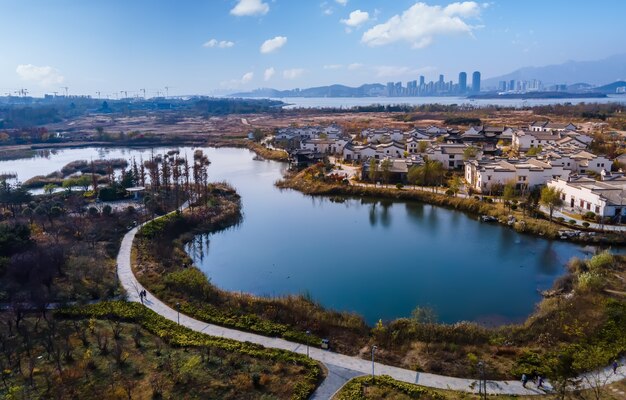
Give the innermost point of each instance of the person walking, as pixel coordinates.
(540, 381)
(524, 380)
(615, 365)
(141, 296)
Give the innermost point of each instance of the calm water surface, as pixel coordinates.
(347, 102)
(377, 258)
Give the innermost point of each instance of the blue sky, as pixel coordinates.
(216, 46)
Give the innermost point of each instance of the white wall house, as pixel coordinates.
(353, 152)
(325, 146)
(413, 144)
(580, 162)
(583, 194)
(451, 156)
(482, 175)
(547, 126)
(524, 140)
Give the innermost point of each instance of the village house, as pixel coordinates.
(352, 152)
(605, 198)
(482, 175)
(325, 146)
(398, 169)
(491, 134)
(547, 126)
(580, 162)
(452, 156)
(524, 140)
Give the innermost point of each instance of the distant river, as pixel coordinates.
(378, 258)
(348, 102)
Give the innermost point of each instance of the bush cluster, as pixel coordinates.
(178, 335)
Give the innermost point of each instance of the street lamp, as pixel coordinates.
(373, 349)
(308, 334)
(178, 312)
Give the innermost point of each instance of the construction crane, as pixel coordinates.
(167, 91)
(98, 94)
(144, 92)
(66, 89)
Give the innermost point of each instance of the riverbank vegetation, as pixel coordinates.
(520, 212)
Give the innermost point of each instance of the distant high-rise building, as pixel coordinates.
(422, 81)
(441, 85)
(476, 82)
(390, 89)
(462, 82)
(398, 89)
(502, 86)
(512, 84)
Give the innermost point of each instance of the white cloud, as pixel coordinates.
(267, 75)
(43, 76)
(357, 17)
(391, 71)
(274, 44)
(333, 66)
(342, 2)
(354, 66)
(249, 8)
(421, 23)
(293, 73)
(222, 44)
(247, 77)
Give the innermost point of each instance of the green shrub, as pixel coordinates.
(399, 186)
(178, 335)
(586, 224)
(190, 281)
(572, 222)
(601, 261)
(353, 390)
(588, 281)
(589, 215)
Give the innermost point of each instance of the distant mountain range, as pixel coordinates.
(597, 72)
(367, 90)
(579, 76)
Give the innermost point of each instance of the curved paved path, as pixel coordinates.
(341, 367)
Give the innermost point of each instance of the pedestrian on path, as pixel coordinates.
(524, 380)
(615, 365)
(540, 381)
(141, 296)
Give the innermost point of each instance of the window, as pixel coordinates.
(588, 206)
(451, 163)
(522, 178)
(597, 209)
(451, 156)
(582, 203)
(488, 177)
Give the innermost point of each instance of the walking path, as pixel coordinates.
(341, 367)
(593, 225)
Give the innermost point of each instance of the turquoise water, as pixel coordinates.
(374, 257)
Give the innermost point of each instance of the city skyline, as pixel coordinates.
(226, 46)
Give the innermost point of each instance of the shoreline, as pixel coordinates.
(529, 225)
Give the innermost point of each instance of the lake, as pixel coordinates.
(375, 257)
(348, 102)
